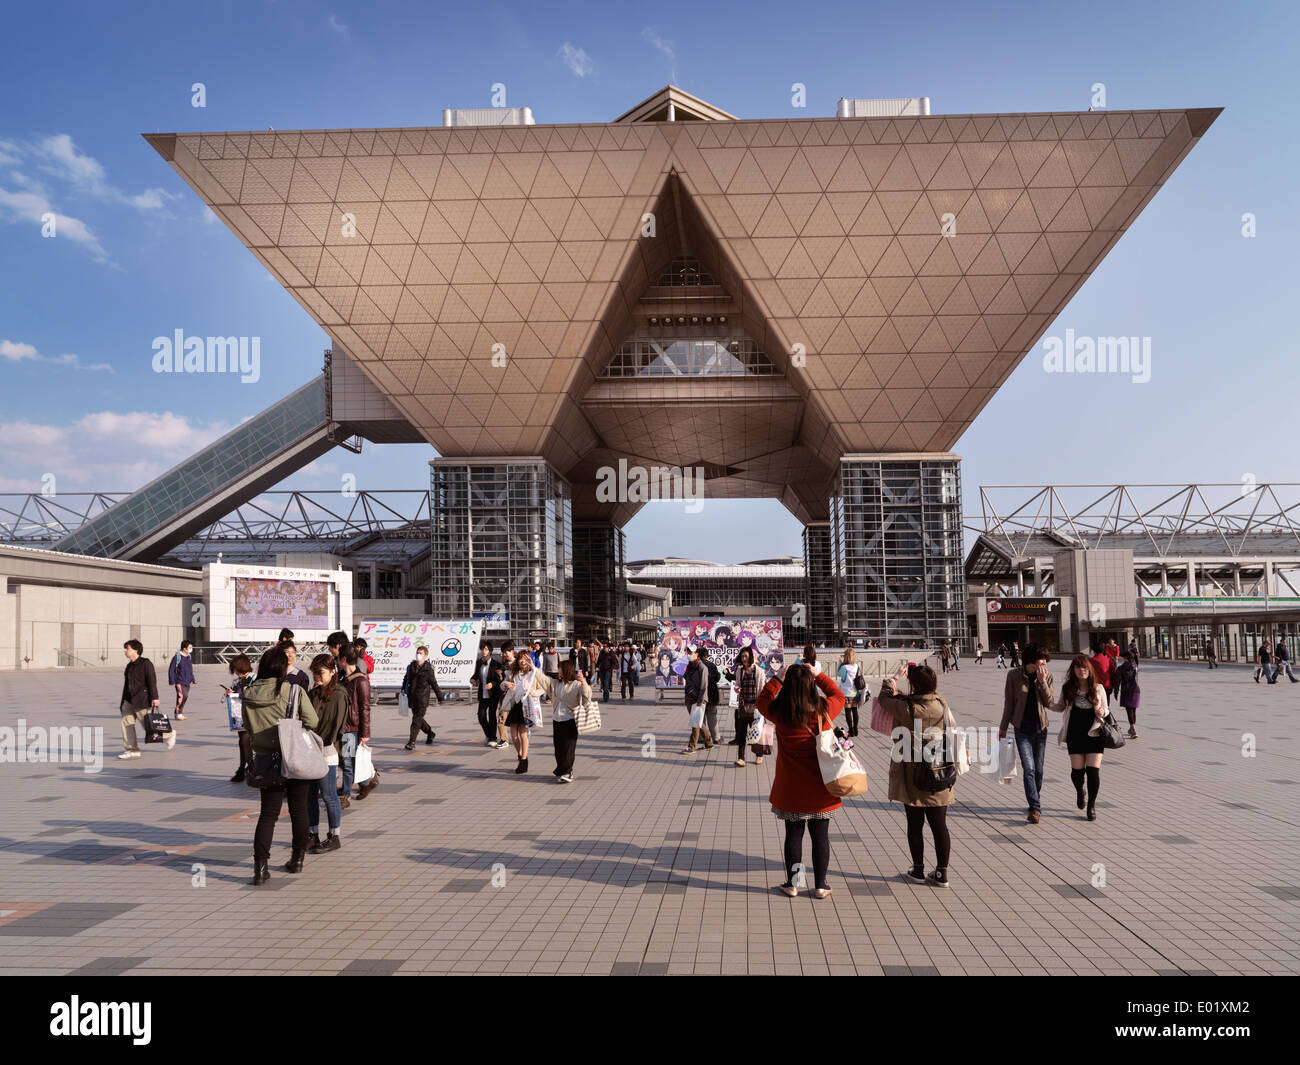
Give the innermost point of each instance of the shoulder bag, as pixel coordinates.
(302, 752)
(938, 775)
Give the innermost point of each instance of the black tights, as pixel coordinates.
(821, 849)
(1092, 774)
(917, 816)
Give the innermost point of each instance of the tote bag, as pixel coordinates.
(302, 752)
(841, 771)
(882, 720)
(363, 765)
(587, 715)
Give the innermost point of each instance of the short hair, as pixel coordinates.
(286, 644)
(285, 634)
(421, 648)
(550, 645)
(135, 645)
(507, 647)
(484, 645)
(239, 665)
(1032, 653)
(359, 642)
(185, 644)
(704, 653)
(921, 679)
(568, 672)
(335, 638)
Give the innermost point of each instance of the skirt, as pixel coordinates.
(786, 815)
(1077, 740)
(516, 716)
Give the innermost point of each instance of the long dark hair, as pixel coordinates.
(1071, 686)
(799, 699)
(273, 663)
(326, 662)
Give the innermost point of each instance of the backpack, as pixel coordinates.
(859, 682)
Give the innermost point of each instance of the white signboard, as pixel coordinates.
(453, 646)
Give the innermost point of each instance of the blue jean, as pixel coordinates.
(326, 788)
(1033, 752)
(349, 760)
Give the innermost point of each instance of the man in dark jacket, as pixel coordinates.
(1265, 657)
(139, 697)
(696, 682)
(420, 684)
(487, 686)
(712, 698)
(1283, 658)
(1026, 700)
(180, 675)
(578, 656)
(607, 667)
(356, 733)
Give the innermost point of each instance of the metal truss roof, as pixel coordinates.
(1154, 520)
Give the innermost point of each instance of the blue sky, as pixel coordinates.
(137, 256)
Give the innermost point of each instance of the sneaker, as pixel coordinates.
(1132, 733)
(566, 778)
(939, 878)
(429, 738)
(408, 746)
(1034, 817)
(332, 843)
(171, 739)
(129, 754)
(914, 876)
(178, 717)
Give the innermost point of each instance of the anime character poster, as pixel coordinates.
(724, 638)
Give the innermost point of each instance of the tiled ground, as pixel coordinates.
(659, 864)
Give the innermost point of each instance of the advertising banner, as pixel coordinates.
(275, 604)
(453, 646)
(1022, 611)
(724, 638)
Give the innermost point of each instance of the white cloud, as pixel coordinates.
(576, 59)
(16, 351)
(105, 451)
(58, 155)
(666, 47)
(333, 23)
(35, 208)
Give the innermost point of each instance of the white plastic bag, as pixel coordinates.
(1007, 760)
(363, 767)
(961, 750)
(697, 716)
(403, 705)
(733, 700)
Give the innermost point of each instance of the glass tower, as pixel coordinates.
(896, 548)
(502, 531)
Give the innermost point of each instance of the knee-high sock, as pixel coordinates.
(1094, 783)
(1077, 776)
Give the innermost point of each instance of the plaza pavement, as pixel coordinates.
(655, 865)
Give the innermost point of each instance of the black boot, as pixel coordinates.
(294, 864)
(261, 874)
(522, 767)
(238, 778)
(429, 738)
(313, 843)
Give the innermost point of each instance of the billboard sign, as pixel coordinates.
(724, 638)
(271, 603)
(453, 646)
(1023, 611)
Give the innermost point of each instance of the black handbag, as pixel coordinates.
(156, 726)
(936, 776)
(264, 771)
(1110, 735)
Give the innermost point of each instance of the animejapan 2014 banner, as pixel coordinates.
(453, 646)
(724, 638)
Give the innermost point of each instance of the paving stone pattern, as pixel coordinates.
(656, 866)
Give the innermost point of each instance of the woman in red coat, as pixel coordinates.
(800, 704)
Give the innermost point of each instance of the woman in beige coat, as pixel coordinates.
(923, 702)
(567, 693)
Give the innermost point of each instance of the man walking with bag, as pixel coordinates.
(1026, 699)
(139, 698)
(697, 679)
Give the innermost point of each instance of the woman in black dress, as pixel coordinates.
(1085, 705)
